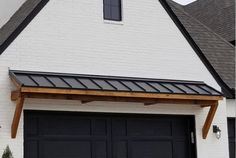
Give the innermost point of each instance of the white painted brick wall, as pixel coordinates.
(231, 107)
(71, 36)
(8, 8)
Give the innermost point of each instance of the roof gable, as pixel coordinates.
(216, 53)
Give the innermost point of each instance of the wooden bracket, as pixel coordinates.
(209, 120)
(15, 95)
(17, 115)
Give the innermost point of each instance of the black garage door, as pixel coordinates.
(93, 135)
(231, 134)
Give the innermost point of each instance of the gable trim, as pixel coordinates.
(228, 92)
(22, 25)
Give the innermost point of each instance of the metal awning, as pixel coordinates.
(88, 88)
(110, 83)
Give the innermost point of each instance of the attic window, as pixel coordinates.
(112, 10)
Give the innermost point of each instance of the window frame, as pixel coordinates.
(120, 8)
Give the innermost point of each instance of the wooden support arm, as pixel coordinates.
(17, 115)
(209, 120)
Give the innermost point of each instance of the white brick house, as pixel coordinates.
(73, 37)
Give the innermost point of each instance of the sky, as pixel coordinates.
(184, 2)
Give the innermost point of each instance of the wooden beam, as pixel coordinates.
(209, 120)
(147, 101)
(15, 95)
(17, 115)
(117, 94)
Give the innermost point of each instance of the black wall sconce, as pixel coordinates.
(217, 131)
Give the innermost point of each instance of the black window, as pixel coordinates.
(112, 10)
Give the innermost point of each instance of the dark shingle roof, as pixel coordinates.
(110, 83)
(219, 15)
(19, 21)
(220, 54)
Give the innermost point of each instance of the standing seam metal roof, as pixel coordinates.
(110, 83)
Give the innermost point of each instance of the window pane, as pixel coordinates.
(112, 10)
(107, 2)
(116, 13)
(116, 2)
(107, 12)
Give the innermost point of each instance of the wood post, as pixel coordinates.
(209, 120)
(17, 115)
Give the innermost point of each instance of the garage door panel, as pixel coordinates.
(120, 149)
(151, 149)
(119, 127)
(100, 149)
(66, 149)
(32, 123)
(179, 128)
(149, 128)
(65, 126)
(99, 127)
(33, 146)
(232, 149)
(180, 149)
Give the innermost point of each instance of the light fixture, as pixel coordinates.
(217, 131)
